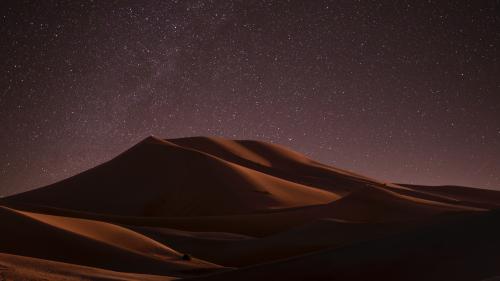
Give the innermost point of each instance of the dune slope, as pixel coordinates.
(14, 267)
(91, 243)
(159, 178)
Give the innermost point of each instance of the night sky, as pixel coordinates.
(403, 91)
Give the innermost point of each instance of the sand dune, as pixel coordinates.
(464, 248)
(158, 178)
(467, 195)
(244, 210)
(91, 243)
(277, 161)
(14, 267)
(244, 251)
(263, 154)
(370, 204)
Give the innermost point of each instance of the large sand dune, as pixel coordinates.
(159, 178)
(218, 209)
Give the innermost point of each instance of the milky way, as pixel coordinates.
(406, 91)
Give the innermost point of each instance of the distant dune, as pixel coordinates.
(217, 209)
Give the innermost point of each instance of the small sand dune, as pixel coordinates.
(14, 267)
(90, 243)
(467, 195)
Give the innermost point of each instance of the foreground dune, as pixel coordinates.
(90, 243)
(466, 247)
(216, 209)
(14, 267)
(243, 250)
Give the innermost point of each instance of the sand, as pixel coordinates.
(217, 209)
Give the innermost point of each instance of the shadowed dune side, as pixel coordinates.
(278, 161)
(244, 251)
(371, 204)
(484, 197)
(14, 267)
(158, 178)
(443, 197)
(263, 154)
(90, 243)
(466, 248)
(376, 204)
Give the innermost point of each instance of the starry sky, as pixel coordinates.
(403, 91)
